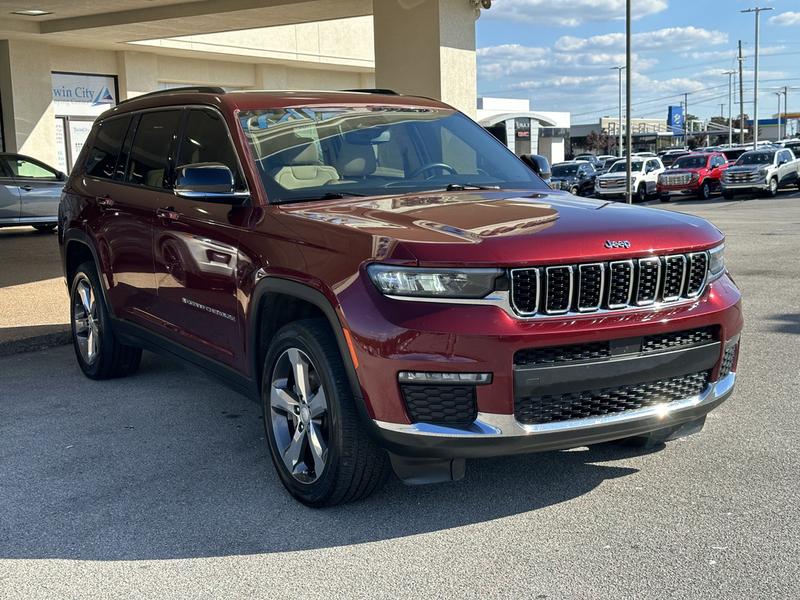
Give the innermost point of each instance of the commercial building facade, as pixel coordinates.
(60, 69)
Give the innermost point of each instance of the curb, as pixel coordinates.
(32, 344)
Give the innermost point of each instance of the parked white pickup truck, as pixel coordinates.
(644, 176)
(762, 171)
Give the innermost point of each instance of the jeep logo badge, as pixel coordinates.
(617, 244)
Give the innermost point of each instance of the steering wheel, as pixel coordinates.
(430, 167)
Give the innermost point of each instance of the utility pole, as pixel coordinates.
(757, 10)
(779, 94)
(730, 75)
(628, 78)
(741, 95)
(785, 111)
(620, 69)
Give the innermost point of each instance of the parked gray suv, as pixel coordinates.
(29, 192)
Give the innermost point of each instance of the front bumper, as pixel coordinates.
(677, 191)
(760, 184)
(500, 434)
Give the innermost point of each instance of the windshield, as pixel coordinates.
(756, 158)
(315, 153)
(636, 165)
(565, 170)
(691, 162)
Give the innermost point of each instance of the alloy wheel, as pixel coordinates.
(85, 321)
(299, 415)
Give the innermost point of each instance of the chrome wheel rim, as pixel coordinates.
(773, 185)
(85, 321)
(298, 412)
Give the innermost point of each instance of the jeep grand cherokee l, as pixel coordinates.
(394, 286)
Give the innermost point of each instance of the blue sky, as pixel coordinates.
(559, 53)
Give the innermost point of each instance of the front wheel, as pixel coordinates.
(705, 191)
(641, 193)
(100, 354)
(772, 190)
(318, 445)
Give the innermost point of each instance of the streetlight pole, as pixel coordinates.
(628, 78)
(730, 75)
(620, 69)
(779, 94)
(757, 10)
(741, 95)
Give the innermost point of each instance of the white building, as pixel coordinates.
(525, 131)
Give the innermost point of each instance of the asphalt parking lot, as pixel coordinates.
(159, 485)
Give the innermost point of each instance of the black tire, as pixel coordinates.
(704, 193)
(112, 358)
(641, 193)
(664, 198)
(772, 191)
(728, 195)
(353, 466)
(45, 228)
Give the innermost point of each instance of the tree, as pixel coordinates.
(597, 142)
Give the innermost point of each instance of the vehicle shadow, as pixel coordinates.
(28, 256)
(127, 473)
(788, 323)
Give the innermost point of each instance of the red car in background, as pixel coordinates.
(698, 175)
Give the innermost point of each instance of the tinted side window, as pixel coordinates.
(152, 145)
(102, 157)
(205, 139)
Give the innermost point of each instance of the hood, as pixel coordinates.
(683, 170)
(618, 175)
(564, 177)
(499, 228)
(747, 168)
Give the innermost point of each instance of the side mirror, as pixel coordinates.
(207, 181)
(538, 164)
(61, 176)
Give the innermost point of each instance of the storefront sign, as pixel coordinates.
(83, 95)
(522, 128)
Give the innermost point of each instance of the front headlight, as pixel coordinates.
(433, 283)
(716, 262)
(763, 173)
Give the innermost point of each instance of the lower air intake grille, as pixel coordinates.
(727, 361)
(679, 339)
(607, 401)
(440, 404)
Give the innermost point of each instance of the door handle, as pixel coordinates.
(105, 201)
(26, 187)
(168, 213)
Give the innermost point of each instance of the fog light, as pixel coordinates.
(450, 378)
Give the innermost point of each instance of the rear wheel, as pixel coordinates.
(100, 354)
(318, 446)
(664, 198)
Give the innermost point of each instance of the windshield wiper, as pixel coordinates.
(325, 196)
(460, 187)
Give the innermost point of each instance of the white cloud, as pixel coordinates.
(732, 53)
(670, 38)
(787, 18)
(570, 13)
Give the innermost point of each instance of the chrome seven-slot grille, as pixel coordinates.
(614, 285)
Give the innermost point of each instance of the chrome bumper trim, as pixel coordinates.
(494, 425)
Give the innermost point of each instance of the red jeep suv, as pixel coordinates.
(393, 286)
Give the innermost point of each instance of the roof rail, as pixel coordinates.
(200, 89)
(374, 91)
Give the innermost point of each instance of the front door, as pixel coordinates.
(196, 249)
(9, 195)
(39, 189)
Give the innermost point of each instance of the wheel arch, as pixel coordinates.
(274, 293)
(78, 248)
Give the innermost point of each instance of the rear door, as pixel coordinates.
(9, 195)
(196, 248)
(39, 189)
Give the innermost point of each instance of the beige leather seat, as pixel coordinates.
(303, 168)
(356, 161)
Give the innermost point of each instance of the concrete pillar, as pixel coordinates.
(427, 48)
(26, 90)
(138, 73)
